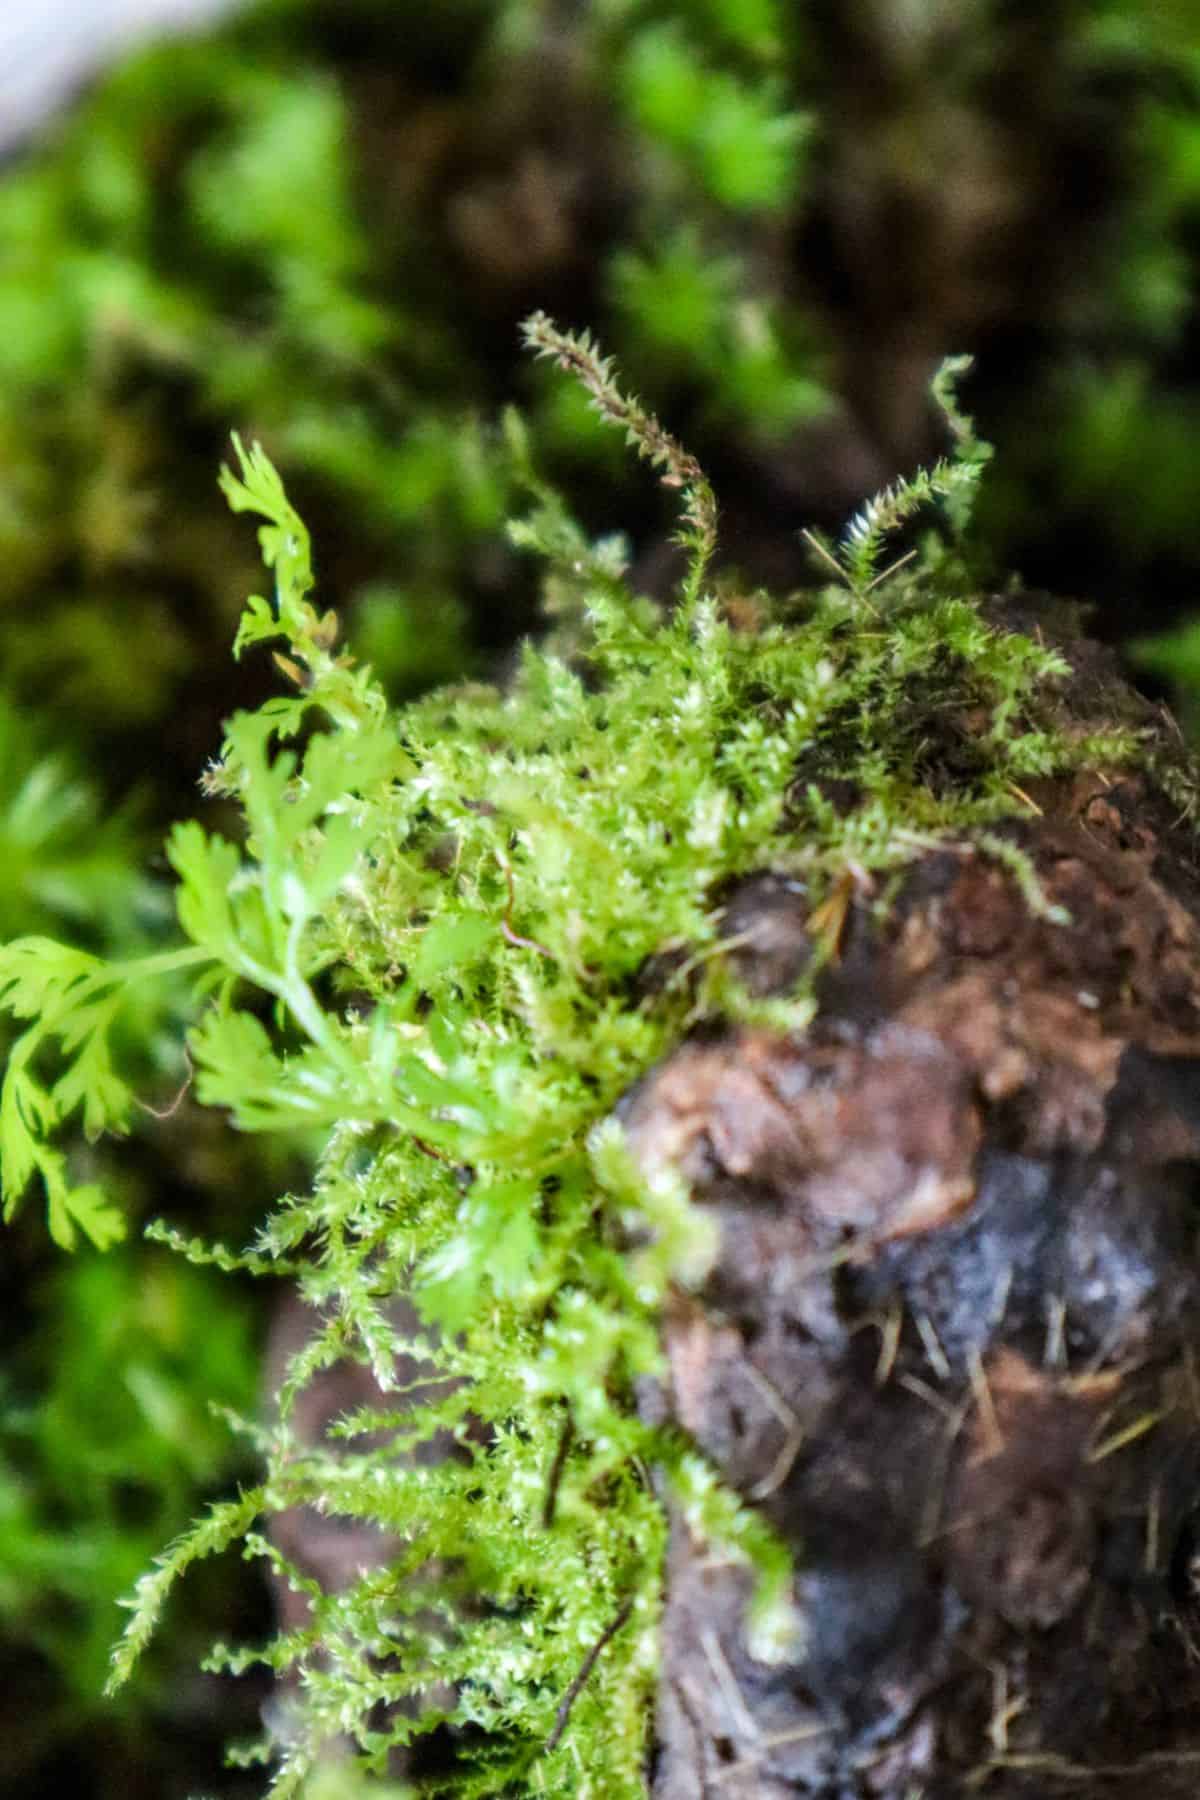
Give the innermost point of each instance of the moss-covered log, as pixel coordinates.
(948, 1345)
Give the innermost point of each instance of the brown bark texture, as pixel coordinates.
(948, 1345)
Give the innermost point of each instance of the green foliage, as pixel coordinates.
(734, 137)
(679, 469)
(258, 226)
(1175, 656)
(65, 857)
(952, 483)
(73, 997)
(195, 246)
(64, 864)
(111, 1365)
(428, 948)
(272, 225)
(105, 1455)
(695, 316)
(1108, 418)
(248, 227)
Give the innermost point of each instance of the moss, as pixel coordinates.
(453, 909)
(764, 212)
(781, 224)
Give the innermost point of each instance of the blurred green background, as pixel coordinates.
(320, 225)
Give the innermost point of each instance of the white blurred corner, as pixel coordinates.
(48, 48)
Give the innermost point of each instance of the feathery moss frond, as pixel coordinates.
(953, 481)
(579, 355)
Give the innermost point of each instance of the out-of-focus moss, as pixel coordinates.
(107, 1455)
(62, 858)
(323, 223)
(192, 251)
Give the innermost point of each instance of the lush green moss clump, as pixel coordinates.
(324, 222)
(431, 949)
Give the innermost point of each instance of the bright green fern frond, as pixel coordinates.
(284, 541)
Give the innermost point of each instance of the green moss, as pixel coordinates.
(290, 225)
(450, 908)
(111, 1454)
(269, 226)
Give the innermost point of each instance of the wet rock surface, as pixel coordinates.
(949, 1344)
